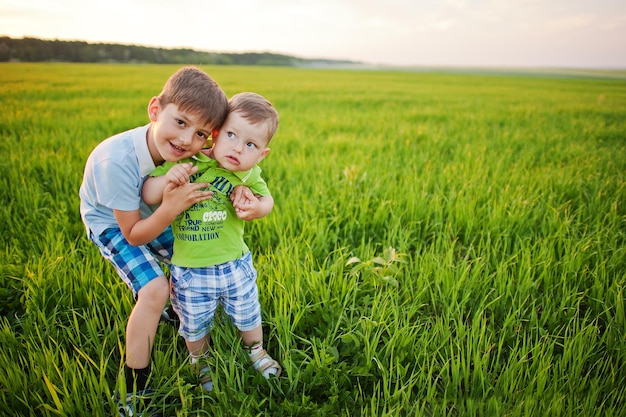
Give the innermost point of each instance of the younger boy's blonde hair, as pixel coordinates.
(194, 91)
(256, 109)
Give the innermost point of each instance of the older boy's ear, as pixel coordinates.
(153, 109)
(214, 133)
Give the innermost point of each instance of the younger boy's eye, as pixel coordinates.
(251, 145)
(231, 135)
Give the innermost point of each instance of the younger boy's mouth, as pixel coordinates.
(232, 160)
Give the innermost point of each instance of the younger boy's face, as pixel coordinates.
(174, 134)
(239, 144)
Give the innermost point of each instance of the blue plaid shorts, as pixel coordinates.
(136, 265)
(197, 292)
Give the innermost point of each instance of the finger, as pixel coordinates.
(202, 196)
(169, 186)
(197, 186)
(249, 194)
(236, 198)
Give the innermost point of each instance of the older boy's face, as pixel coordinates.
(175, 134)
(239, 144)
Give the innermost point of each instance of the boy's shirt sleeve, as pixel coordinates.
(256, 183)
(116, 186)
(163, 168)
(198, 159)
(251, 179)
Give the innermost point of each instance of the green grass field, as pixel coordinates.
(443, 244)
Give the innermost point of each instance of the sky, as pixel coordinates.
(425, 33)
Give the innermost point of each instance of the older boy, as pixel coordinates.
(130, 236)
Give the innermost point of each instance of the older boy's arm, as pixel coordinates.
(176, 199)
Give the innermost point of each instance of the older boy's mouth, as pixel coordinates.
(177, 148)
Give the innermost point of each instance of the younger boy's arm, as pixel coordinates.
(176, 199)
(179, 174)
(152, 190)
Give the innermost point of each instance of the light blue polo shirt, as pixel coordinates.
(114, 174)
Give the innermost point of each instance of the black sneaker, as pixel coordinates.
(136, 405)
(169, 316)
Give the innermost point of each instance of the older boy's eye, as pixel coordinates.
(202, 136)
(180, 122)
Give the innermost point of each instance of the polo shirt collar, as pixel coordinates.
(202, 158)
(140, 139)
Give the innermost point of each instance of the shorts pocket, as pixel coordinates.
(245, 268)
(180, 277)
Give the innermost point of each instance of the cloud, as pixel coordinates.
(406, 32)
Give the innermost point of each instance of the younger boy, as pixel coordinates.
(212, 264)
(128, 235)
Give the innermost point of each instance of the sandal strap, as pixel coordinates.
(259, 355)
(205, 375)
(268, 363)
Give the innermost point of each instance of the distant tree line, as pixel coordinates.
(39, 50)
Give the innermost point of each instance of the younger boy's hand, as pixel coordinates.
(179, 174)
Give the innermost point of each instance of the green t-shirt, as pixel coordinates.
(210, 233)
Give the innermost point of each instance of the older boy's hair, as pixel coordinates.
(194, 91)
(256, 109)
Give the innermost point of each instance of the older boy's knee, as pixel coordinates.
(157, 291)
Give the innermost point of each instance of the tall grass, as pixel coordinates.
(441, 245)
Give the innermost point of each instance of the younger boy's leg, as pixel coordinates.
(198, 355)
(195, 296)
(252, 337)
(261, 360)
(242, 305)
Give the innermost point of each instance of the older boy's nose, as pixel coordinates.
(185, 139)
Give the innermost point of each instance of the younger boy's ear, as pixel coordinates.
(265, 152)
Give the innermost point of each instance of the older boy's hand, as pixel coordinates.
(248, 206)
(178, 198)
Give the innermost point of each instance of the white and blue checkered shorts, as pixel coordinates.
(136, 265)
(197, 292)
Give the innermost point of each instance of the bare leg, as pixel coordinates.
(199, 347)
(198, 350)
(261, 361)
(252, 337)
(143, 322)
